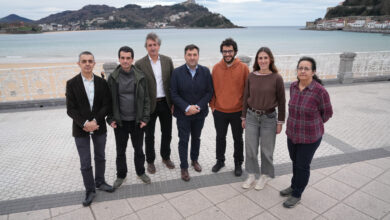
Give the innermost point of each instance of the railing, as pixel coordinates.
(41, 83)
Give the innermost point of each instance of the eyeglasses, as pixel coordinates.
(303, 68)
(87, 61)
(227, 51)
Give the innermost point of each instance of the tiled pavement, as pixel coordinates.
(350, 179)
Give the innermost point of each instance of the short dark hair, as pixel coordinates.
(229, 42)
(313, 67)
(272, 66)
(191, 47)
(154, 37)
(86, 53)
(126, 49)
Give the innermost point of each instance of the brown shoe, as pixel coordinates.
(185, 175)
(168, 163)
(151, 168)
(196, 166)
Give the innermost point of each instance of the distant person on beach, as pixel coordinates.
(158, 70)
(130, 113)
(229, 76)
(88, 105)
(191, 91)
(264, 92)
(308, 109)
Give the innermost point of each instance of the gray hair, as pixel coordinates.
(154, 37)
(86, 53)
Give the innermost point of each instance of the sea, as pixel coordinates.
(65, 46)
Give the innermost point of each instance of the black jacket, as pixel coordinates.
(78, 108)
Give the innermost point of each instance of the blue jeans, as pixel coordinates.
(260, 128)
(301, 156)
(189, 126)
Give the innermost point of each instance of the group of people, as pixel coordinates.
(135, 95)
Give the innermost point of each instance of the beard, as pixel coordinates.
(231, 60)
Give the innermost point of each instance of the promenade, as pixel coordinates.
(40, 170)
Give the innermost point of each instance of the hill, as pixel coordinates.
(183, 15)
(360, 8)
(15, 18)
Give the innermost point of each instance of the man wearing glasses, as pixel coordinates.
(229, 76)
(88, 103)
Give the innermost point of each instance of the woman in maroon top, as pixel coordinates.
(309, 108)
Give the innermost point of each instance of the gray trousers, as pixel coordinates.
(260, 128)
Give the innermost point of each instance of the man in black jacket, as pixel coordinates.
(191, 90)
(88, 102)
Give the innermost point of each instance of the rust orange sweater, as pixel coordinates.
(229, 85)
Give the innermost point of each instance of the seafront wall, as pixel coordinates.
(43, 86)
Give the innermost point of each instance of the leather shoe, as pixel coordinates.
(168, 163)
(217, 166)
(105, 187)
(151, 168)
(185, 175)
(89, 196)
(237, 170)
(196, 166)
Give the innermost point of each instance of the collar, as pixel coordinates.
(190, 68)
(86, 80)
(150, 59)
(310, 86)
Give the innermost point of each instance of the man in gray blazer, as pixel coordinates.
(158, 69)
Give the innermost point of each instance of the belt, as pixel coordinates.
(261, 112)
(160, 99)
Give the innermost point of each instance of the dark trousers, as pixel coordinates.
(164, 114)
(84, 150)
(301, 156)
(189, 126)
(221, 122)
(121, 138)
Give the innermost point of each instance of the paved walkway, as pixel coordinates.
(40, 175)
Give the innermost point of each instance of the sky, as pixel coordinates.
(240, 12)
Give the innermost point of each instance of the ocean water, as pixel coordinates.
(65, 46)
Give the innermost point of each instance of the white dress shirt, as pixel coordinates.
(158, 75)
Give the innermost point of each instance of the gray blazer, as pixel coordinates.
(166, 68)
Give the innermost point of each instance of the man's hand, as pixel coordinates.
(193, 110)
(113, 124)
(91, 126)
(142, 124)
(172, 109)
(243, 124)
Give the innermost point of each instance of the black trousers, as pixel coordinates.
(84, 150)
(301, 156)
(189, 126)
(221, 122)
(121, 138)
(163, 112)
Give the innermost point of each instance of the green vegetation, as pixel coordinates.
(360, 8)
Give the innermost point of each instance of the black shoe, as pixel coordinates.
(286, 192)
(291, 202)
(217, 166)
(105, 187)
(89, 196)
(237, 170)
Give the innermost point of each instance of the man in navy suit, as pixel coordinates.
(88, 102)
(191, 90)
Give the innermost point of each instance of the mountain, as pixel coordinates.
(14, 18)
(360, 8)
(183, 15)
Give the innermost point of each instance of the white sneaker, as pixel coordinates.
(261, 182)
(249, 181)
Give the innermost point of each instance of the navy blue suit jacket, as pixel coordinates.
(186, 90)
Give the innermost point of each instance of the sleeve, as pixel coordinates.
(146, 110)
(110, 117)
(106, 105)
(245, 98)
(325, 106)
(72, 107)
(212, 102)
(281, 97)
(177, 100)
(202, 103)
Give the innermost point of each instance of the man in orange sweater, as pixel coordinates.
(229, 76)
